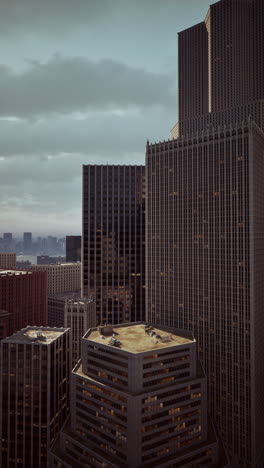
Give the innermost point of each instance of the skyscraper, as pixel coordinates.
(73, 248)
(114, 241)
(221, 71)
(27, 242)
(158, 419)
(205, 218)
(34, 393)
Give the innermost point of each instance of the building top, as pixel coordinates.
(14, 272)
(36, 335)
(56, 265)
(138, 337)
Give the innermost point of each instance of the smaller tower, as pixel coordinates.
(34, 393)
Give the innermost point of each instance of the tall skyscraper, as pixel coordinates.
(23, 294)
(34, 394)
(114, 241)
(205, 218)
(7, 241)
(221, 71)
(73, 248)
(158, 419)
(27, 242)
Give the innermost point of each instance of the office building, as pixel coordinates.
(73, 248)
(23, 294)
(205, 262)
(62, 277)
(72, 311)
(114, 241)
(7, 260)
(34, 394)
(27, 242)
(158, 418)
(205, 197)
(221, 73)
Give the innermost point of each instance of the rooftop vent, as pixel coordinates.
(106, 330)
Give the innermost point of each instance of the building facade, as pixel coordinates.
(114, 241)
(34, 393)
(205, 260)
(27, 238)
(23, 294)
(62, 277)
(72, 311)
(221, 77)
(205, 217)
(73, 248)
(158, 418)
(8, 260)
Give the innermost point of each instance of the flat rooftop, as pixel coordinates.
(37, 335)
(14, 272)
(135, 338)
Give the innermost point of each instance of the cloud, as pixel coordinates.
(64, 85)
(101, 135)
(18, 16)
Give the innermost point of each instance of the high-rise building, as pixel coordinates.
(62, 277)
(72, 311)
(114, 241)
(221, 73)
(7, 260)
(34, 394)
(7, 241)
(23, 294)
(205, 255)
(27, 242)
(73, 248)
(138, 398)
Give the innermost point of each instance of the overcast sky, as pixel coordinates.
(81, 82)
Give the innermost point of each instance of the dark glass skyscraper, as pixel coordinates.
(114, 241)
(205, 218)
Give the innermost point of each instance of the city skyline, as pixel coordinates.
(121, 55)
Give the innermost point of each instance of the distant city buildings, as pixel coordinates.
(62, 277)
(73, 248)
(7, 260)
(114, 241)
(34, 394)
(48, 260)
(72, 311)
(27, 242)
(23, 295)
(138, 398)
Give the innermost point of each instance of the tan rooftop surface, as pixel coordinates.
(134, 338)
(35, 335)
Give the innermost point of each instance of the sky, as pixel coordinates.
(81, 82)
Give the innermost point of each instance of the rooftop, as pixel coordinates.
(14, 272)
(139, 337)
(39, 335)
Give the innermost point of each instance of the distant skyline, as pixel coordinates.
(81, 83)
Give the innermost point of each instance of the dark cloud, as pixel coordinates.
(65, 85)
